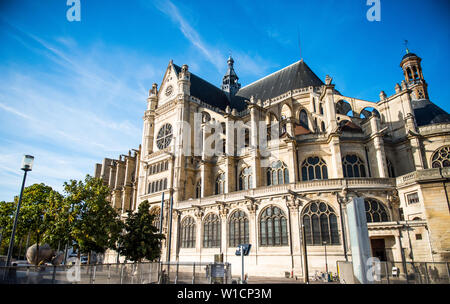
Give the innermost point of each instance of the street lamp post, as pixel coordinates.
(27, 165)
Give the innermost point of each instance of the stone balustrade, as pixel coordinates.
(299, 187)
(423, 175)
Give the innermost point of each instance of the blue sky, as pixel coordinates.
(72, 93)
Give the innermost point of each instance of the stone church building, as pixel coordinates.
(326, 149)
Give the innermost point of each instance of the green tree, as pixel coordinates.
(37, 203)
(140, 239)
(7, 210)
(94, 224)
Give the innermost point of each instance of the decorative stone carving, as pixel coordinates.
(198, 212)
(154, 89)
(251, 204)
(328, 80)
(223, 210)
(393, 198)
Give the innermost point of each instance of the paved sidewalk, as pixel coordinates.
(271, 280)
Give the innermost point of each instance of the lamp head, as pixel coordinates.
(27, 163)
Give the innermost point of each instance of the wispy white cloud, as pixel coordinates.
(87, 104)
(248, 65)
(212, 55)
(14, 111)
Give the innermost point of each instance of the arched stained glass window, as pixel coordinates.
(304, 119)
(220, 183)
(273, 227)
(277, 174)
(211, 231)
(198, 189)
(390, 168)
(441, 158)
(238, 232)
(314, 168)
(188, 232)
(353, 166)
(156, 212)
(375, 211)
(320, 222)
(245, 179)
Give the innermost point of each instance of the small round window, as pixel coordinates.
(164, 136)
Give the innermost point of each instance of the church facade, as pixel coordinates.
(261, 164)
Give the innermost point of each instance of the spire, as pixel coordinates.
(230, 84)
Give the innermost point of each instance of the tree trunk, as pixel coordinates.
(37, 250)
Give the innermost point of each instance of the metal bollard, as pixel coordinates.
(54, 274)
(109, 274)
(193, 274)
(93, 277)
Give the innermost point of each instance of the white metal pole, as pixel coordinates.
(242, 255)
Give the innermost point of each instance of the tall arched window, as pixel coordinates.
(314, 168)
(320, 223)
(375, 211)
(220, 183)
(211, 231)
(277, 174)
(238, 232)
(303, 119)
(156, 212)
(273, 227)
(198, 189)
(321, 109)
(245, 179)
(188, 232)
(283, 121)
(247, 137)
(323, 126)
(441, 158)
(390, 167)
(353, 166)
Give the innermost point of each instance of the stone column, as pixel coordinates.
(198, 231)
(330, 108)
(293, 162)
(223, 212)
(252, 207)
(379, 147)
(175, 235)
(126, 199)
(112, 176)
(255, 160)
(294, 229)
(229, 157)
(336, 158)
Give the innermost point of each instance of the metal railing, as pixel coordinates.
(409, 273)
(122, 273)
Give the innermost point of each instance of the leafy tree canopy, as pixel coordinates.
(140, 239)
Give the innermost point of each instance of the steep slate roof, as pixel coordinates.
(428, 113)
(206, 91)
(295, 76)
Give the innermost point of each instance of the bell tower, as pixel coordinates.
(230, 84)
(412, 71)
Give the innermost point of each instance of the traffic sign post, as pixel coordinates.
(243, 250)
